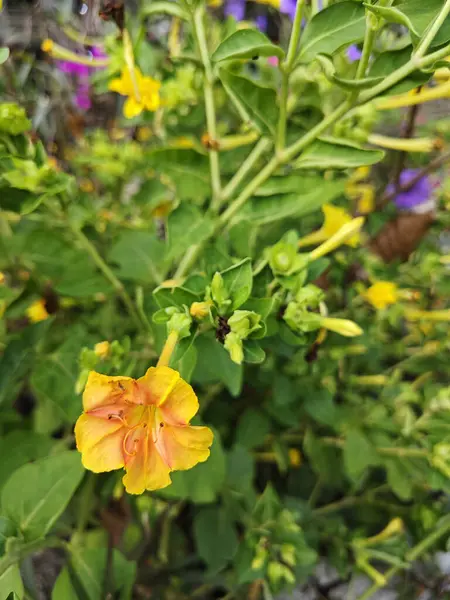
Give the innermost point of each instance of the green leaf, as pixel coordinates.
(187, 226)
(417, 16)
(324, 460)
(81, 280)
(188, 170)
(27, 445)
(238, 281)
(4, 55)
(332, 153)
(11, 583)
(165, 8)
(358, 454)
(17, 360)
(203, 483)
(55, 375)
(262, 306)
(311, 194)
(258, 102)
(63, 589)
(252, 429)
(253, 353)
(333, 28)
(36, 494)
(187, 363)
(387, 62)
(246, 43)
(215, 365)
(212, 525)
(139, 255)
(177, 296)
(7, 530)
(240, 469)
(398, 479)
(320, 406)
(329, 71)
(89, 566)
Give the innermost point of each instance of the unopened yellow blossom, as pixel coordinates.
(2, 277)
(295, 457)
(37, 312)
(102, 349)
(362, 192)
(344, 327)
(199, 310)
(47, 45)
(347, 234)
(142, 426)
(335, 218)
(382, 294)
(86, 186)
(142, 92)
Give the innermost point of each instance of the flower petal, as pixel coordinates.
(159, 383)
(132, 108)
(100, 443)
(180, 405)
(102, 390)
(183, 447)
(145, 469)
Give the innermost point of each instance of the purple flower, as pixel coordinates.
(353, 53)
(73, 68)
(287, 7)
(81, 75)
(236, 9)
(82, 97)
(419, 194)
(261, 22)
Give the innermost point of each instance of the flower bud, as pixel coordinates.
(344, 327)
(287, 552)
(299, 319)
(102, 349)
(180, 323)
(284, 259)
(199, 310)
(295, 457)
(219, 293)
(309, 296)
(233, 343)
(244, 322)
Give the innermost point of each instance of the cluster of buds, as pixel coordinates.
(242, 324)
(108, 354)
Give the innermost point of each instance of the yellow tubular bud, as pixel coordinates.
(404, 144)
(295, 457)
(392, 528)
(428, 315)
(344, 327)
(370, 380)
(340, 237)
(413, 98)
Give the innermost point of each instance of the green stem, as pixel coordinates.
(369, 39)
(200, 35)
(286, 70)
(432, 31)
(187, 261)
(408, 68)
(397, 452)
(107, 272)
(411, 556)
(245, 168)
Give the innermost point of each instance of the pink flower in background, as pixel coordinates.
(81, 74)
(353, 53)
(273, 61)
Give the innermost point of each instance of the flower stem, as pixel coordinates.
(109, 275)
(245, 168)
(286, 70)
(199, 31)
(411, 556)
(432, 31)
(168, 349)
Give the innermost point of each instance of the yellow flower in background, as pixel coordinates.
(360, 191)
(295, 457)
(2, 278)
(142, 426)
(142, 92)
(47, 45)
(335, 218)
(37, 312)
(382, 294)
(102, 349)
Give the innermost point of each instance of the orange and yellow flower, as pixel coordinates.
(142, 426)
